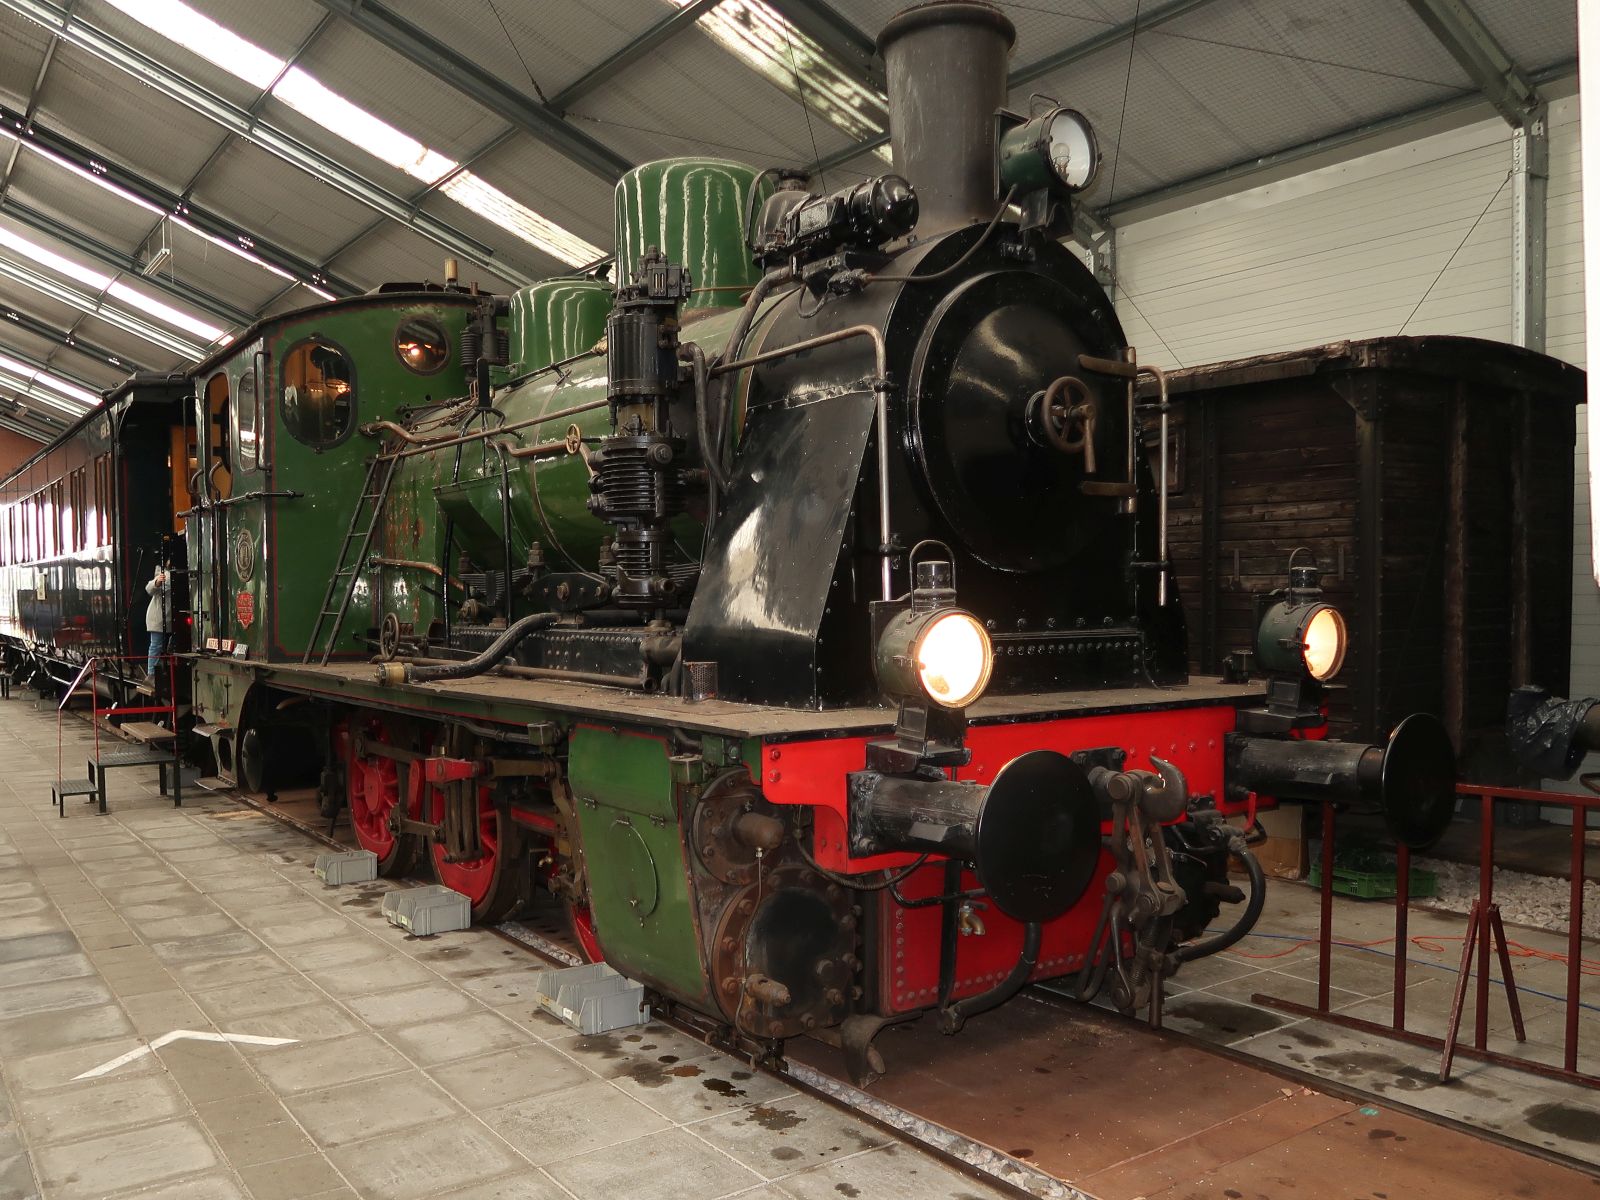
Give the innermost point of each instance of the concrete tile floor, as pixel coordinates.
(419, 1066)
(1211, 1000)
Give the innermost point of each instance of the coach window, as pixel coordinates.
(319, 394)
(248, 405)
(219, 470)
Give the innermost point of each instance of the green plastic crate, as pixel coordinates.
(1376, 885)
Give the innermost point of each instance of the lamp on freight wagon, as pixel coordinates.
(1300, 635)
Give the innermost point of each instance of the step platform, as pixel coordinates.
(62, 788)
(138, 756)
(147, 733)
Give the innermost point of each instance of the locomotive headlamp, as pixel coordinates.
(1055, 150)
(934, 649)
(1300, 634)
(944, 655)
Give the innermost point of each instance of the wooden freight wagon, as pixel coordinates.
(1432, 477)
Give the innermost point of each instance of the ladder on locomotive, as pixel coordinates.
(369, 508)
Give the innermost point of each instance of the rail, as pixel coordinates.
(1484, 927)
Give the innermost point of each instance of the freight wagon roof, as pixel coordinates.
(230, 164)
(1470, 360)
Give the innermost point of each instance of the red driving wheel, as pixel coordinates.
(487, 879)
(374, 787)
(581, 917)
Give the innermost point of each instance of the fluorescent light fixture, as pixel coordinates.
(311, 98)
(356, 125)
(58, 263)
(104, 283)
(156, 261)
(165, 312)
(232, 248)
(316, 291)
(757, 33)
(124, 194)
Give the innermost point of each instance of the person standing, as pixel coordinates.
(158, 617)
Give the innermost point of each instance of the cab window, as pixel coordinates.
(248, 403)
(219, 470)
(319, 394)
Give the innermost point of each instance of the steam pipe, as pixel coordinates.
(392, 673)
(511, 427)
(951, 1019)
(1160, 377)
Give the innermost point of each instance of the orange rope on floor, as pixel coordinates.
(1433, 944)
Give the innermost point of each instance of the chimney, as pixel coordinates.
(946, 66)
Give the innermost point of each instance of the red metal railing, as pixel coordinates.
(1483, 927)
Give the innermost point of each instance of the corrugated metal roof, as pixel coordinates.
(21, 47)
(52, 189)
(557, 41)
(1042, 29)
(198, 263)
(51, 312)
(1226, 82)
(396, 254)
(1535, 33)
(692, 96)
(116, 115)
(279, 202)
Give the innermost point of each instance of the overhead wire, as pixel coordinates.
(1122, 116)
(800, 94)
(1288, 55)
(512, 42)
(1459, 247)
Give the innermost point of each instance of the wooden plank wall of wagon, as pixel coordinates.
(1552, 435)
(1414, 514)
(1284, 462)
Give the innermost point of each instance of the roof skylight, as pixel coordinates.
(96, 307)
(307, 95)
(89, 277)
(25, 377)
(766, 40)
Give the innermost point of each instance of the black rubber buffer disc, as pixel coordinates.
(1038, 836)
(1418, 796)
